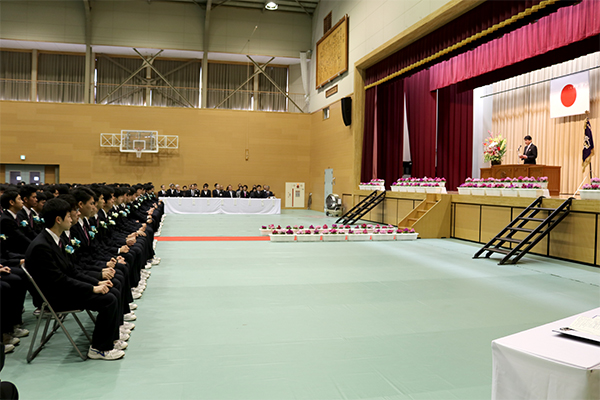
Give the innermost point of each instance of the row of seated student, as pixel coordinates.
(242, 191)
(87, 247)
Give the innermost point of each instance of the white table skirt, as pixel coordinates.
(541, 364)
(209, 205)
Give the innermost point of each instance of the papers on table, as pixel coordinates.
(583, 327)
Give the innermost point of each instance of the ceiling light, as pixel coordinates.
(271, 5)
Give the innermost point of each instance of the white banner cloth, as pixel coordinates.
(216, 205)
(541, 364)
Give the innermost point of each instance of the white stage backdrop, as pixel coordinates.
(209, 205)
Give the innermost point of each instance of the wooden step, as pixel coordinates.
(510, 240)
(520, 229)
(532, 219)
(543, 209)
(495, 250)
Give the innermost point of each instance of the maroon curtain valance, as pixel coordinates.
(474, 21)
(567, 25)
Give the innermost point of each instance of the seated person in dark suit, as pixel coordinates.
(205, 192)
(185, 192)
(14, 238)
(218, 191)
(29, 196)
(229, 192)
(67, 289)
(194, 192)
(258, 193)
(162, 192)
(267, 192)
(171, 192)
(530, 153)
(244, 193)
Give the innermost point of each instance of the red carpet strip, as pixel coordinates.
(212, 238)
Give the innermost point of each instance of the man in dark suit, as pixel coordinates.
(217, 192)
(205, 192)
(258, 193)
(244, 194)
(229, 193)
(171, 192)
(29, 196)
(267, 192)
(530, 153)
(14, 239)
(162, 192)
(68, 289)
(194, 191)
(185, 192)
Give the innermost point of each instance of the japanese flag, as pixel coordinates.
(570, 95)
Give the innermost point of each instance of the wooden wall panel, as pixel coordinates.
(574, 238)
(331, 146)
(494, 219)
(466, 225)
(211, 149)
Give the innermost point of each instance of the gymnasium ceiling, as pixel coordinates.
(295, 6)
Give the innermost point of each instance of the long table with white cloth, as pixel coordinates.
(217, 205)
(541, 364)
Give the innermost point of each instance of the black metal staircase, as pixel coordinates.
(366, 205)
(534, 233)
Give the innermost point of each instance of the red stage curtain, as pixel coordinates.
(455, 136)
(390, 129)
(420, 114)
(366, 172)
(567, 25)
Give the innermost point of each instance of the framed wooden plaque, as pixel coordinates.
(332, 53)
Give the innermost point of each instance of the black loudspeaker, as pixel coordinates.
(347, 110)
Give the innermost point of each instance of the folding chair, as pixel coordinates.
(48, 313)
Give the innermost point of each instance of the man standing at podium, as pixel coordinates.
(530, 153)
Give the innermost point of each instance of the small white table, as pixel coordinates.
(541, 364)
(217, 205)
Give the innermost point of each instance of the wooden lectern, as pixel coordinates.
(515, 170)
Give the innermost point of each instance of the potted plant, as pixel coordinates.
(591, 191)
(406, 234)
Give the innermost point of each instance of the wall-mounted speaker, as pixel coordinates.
(347, 110)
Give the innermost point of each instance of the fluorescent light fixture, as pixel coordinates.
(271, 5)
(22, 157)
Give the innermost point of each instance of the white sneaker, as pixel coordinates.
(123, 331)
(135, 295)
(10, 340)
(146, 273)
(148, 266)
(20, 332)
(120, 345)
(124, 336)
(8, 348)
(113, 354)
(129, 317)
(155, 262)
(133, 306)
(128, 325)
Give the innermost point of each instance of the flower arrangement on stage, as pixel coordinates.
(595, 186)
(494, 148)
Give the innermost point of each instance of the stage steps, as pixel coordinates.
(534, 233)
(420, 210)
(362, 208)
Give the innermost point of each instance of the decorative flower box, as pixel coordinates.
(383, 236)
(433, 189)
(283, 238)
(544, 185)
(371, 187)
(407, 236)
(334, 237)
(420, 189)
(530, 192)
(492, 192)
(397, 188)
(359, 237)
(510, 192)
(590, 194)
(464, 190)
(308, 238)
(265, 232)
(477, 191)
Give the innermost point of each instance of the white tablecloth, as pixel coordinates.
(209, 205)
(541, 364)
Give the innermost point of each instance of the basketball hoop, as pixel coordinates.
(138, 152)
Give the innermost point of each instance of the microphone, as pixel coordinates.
(519, 150)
